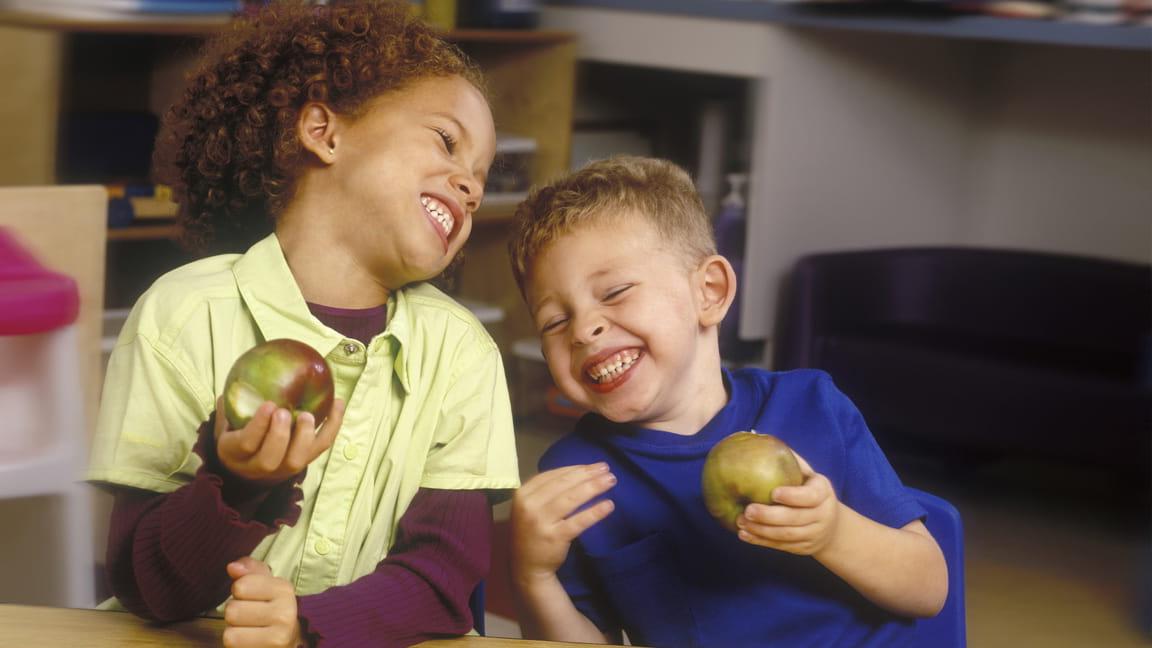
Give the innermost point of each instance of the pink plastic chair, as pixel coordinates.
(43, 443)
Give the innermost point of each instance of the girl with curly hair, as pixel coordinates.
(350, 145)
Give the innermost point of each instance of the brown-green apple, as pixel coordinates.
(287, 372)
(746, 467)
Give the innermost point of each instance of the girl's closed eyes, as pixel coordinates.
(447, 139)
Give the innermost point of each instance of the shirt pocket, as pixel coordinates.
(647, 592)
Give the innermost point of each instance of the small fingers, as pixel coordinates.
(563, 480)
(247, 440)
(259, 587)
(543, 479)
(248, 565)
(241, 612)
(271, 453)
(578, 523)
(777, 515)
(810, 494)
(299, 452)
(778, 537)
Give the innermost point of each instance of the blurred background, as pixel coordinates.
(947, 205)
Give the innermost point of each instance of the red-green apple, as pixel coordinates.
(287, 372)
(746, 467)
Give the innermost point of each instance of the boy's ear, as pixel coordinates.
(316, 129)
(716, 286)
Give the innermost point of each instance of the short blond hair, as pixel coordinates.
(606, 191)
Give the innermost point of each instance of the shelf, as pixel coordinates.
(207, 24)
(920, 18)
(497, 208)
(166, 230)
(160, 24)
(48, 471)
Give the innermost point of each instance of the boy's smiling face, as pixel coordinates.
(623, 326)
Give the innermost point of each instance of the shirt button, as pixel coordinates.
(351, 451)
(350, 349)
(323, 547)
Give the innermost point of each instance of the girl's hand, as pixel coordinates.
(267, 450)
(801, 520)
(543, 522)
(262, 612)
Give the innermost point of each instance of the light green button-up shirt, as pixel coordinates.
(427, 405)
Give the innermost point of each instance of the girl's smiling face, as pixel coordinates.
(618, 315)
(409, 173)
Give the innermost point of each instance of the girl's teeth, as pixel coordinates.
(438, 212)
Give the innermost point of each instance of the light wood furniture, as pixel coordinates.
(42, 627)
(65, 227)
(49, 542)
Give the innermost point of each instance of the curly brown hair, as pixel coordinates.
(606, 191)
(229, 147)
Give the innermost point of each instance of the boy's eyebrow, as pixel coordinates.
(534, 307)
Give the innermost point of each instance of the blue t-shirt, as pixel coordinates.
(661, 569)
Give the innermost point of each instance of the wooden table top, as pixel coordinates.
(41, 627)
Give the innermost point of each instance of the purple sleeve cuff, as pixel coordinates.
(167, 553)
(243, 500)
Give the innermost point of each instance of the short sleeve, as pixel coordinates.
(474, 446)
(870, 485)
(149, 413)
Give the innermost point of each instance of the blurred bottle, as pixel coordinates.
(499, 14)
(731, 226)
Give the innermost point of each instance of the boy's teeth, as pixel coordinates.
(613, 366)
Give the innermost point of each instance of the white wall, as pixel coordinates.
(1063, 152)
(867, 140)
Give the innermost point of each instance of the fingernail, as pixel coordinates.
(609, 478)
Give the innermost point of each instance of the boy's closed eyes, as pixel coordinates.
(554, 322)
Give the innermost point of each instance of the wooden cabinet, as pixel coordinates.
(60, 67)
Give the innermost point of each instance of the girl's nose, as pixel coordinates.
(471, 190)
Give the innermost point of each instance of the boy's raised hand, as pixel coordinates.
(543, 522)
(262, 612)
(267, 450)
(801, 520)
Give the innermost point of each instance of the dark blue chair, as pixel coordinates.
(993, 353)
(949, 628)
(476, 604)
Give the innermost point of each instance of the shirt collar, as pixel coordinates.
(270, 292)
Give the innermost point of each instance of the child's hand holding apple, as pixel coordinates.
(275, 397)
(758, 487)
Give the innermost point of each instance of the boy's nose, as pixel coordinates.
(587, 334)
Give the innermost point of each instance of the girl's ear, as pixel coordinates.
(316, 129)
(716, 287)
